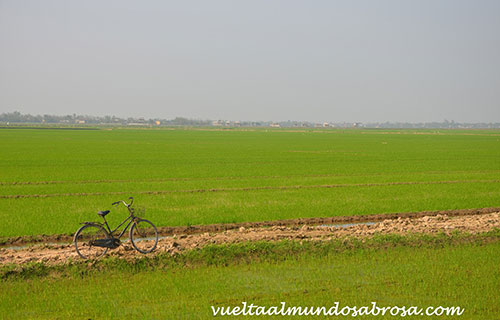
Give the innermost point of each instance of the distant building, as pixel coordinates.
(275, 125)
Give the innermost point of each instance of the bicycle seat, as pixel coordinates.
(103, 213)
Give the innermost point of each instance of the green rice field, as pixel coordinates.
(52, 179)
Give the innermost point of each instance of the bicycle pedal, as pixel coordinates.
(116, 243)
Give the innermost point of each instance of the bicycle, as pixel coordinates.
(93, 240)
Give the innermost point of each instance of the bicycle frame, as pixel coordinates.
(132, 219)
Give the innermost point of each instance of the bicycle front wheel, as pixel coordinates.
(85, 238)
(144, 236)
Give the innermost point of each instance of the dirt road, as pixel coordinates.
(60, 254)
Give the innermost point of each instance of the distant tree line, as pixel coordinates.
(17, 117)
(74, 119)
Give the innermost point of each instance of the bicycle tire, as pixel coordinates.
(143, 235)
(83, 241)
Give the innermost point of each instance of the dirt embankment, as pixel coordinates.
(473, 223)
(219, 227)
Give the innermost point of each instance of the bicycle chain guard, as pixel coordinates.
(111, 243)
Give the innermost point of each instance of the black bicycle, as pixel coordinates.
(94, 239)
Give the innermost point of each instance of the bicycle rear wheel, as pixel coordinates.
(143, 235)
(85, 238)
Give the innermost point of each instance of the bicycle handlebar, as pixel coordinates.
(124, 203)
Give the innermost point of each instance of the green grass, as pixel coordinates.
(405, 271)
(175, 161)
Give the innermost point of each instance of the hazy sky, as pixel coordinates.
(422, 60)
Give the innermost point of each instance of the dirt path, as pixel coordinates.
(59, 254)
(220, 227)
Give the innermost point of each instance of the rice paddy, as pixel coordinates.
(52, 179)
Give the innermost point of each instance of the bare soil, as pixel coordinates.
(219, 227)
(474, 222)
